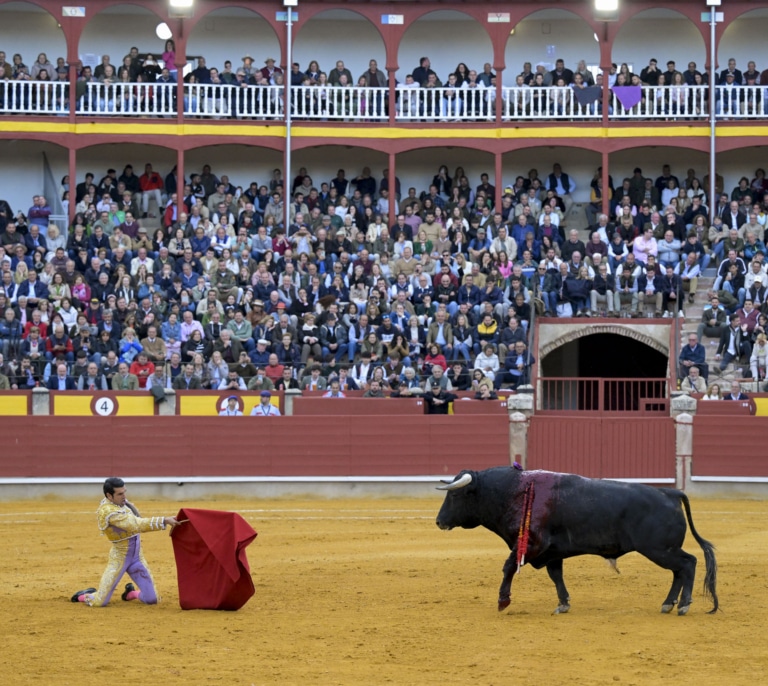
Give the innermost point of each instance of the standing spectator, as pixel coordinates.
(151, 184)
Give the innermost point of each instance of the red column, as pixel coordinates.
(180, 179)
(606, 190)
(392, 187)
(180, 40)
(497, 158)
(72, 182)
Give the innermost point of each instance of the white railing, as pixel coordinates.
(741, 102)
(665, 102)
(235, 102)
(127, 99)
(445, 104)
(34, 97)
(350, 103)
(545, 103)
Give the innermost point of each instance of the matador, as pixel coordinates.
(121, 523)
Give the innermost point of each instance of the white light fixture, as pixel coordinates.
(597, 40)
(714, 3)
(181, 3)
(607, 5)
(163, 31)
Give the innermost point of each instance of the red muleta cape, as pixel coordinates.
(211, 564)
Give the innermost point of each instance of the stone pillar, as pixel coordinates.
(290, 394)
(520, 408)
(518, 438)
(41, 404)
(682, 403)
(168, 408)
(683, 449)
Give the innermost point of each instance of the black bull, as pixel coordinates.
(571, 515)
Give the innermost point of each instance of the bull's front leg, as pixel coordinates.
(505, 590)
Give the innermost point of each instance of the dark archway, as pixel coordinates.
(605, 355)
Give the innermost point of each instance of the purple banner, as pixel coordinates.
(628, 96)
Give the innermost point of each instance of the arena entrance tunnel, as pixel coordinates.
(604, 372)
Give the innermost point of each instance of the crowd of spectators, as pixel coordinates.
(464, 92)
(223, 294)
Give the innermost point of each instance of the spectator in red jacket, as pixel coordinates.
(151, 184)
(142, 368)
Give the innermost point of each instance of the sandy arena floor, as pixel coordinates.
(371, 592)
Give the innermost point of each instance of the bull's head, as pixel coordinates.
(460, 508)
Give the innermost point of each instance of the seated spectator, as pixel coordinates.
(488, 362)
(693, 382)
(713, 320)
(692, 355)
(734, 343)
(142, 368)
(517, 368)
(61, 381)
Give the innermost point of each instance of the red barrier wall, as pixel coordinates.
(729, 446)
(603, 447)
(228, 446)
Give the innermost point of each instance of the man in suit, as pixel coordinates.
(333, 338)
(738, 77)
(733, 217)
(34, 289)
(61, 381)
(314, 382)
(441, 333)
(735, 393)
(123, 380)
(187, 381)
(692, 355)
(734, 343)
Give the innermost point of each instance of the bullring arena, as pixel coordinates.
(368, 590)
(509, 174)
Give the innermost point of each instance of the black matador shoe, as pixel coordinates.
(128, 588)
(75, 597)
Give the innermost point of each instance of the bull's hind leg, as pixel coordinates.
(555, 571)
(505, 590)
(683, 568)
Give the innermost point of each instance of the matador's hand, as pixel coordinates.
(170, 523)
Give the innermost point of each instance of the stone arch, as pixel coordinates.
(29, 28)
(474, 49)
(737, 39)
(230, 32)
(315, 39)
(591, 329)
(569, 33)
(674, 36)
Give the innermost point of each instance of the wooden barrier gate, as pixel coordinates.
(604, 428)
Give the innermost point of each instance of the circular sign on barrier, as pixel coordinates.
(222, 403)
(104, 406)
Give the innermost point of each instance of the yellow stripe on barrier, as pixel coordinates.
(72, 405)
(199, 405)
(141, 404)
(761, 405)
(13, 405)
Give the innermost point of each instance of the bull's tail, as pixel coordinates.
(710, 577)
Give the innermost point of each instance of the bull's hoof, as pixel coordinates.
(683, 610)
(504, 603)
(561, 609)
(667, 608)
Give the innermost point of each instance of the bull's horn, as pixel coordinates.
(465, 480)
